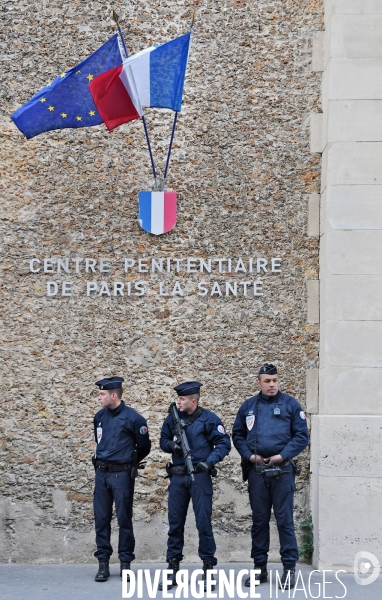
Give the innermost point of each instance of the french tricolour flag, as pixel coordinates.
(157, 211)
(152, 78)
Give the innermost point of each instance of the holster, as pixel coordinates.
(169, 470)
(213, 472)
(245, 466)
(94, 461)
(296, 466)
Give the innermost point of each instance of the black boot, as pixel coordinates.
(207, 566)
(103, 571)
(124, 565)
(288, 580)
(173, 564)
(262, 577)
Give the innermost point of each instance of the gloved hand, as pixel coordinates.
(176, 449)
(204, 466)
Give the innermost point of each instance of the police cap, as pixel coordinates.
(110, 383)
(188, 388)
(267, 369)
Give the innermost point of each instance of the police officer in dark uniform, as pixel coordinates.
(209, 444)
(270, 429)
(119, 431)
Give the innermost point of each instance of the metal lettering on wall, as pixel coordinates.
(251, 270)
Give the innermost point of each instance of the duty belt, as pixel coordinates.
(178, 470)
(113, 468)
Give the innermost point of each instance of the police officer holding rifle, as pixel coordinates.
(269, 431)
(197, 440)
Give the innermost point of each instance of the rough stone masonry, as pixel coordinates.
(243, 170)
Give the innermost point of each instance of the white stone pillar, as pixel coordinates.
(347, 431)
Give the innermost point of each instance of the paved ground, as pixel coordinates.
(64, 582)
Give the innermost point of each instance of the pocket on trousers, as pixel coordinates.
(208, 491)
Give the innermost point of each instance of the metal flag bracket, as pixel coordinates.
(157, 207)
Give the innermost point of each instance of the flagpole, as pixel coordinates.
(169, 150)
(151, 154)
(193, 17)
(175, 119)
(116, 19)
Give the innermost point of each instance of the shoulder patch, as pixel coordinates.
(250, 420)
(99, 433)
(221, 429)
(143, 430)
(302, 415)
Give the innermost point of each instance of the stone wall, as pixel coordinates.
(243, 171)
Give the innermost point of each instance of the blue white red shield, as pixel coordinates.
(99, 434)
(250, 420)
(157, 211)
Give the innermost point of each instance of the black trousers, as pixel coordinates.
(263, 494)
(180, 491)
(109, 488)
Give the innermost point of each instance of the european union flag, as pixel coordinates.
(67, 102)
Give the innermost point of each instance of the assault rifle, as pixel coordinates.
(182, 438)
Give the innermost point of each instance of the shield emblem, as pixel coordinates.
(157, 211)
(99, 434)
(250, 419)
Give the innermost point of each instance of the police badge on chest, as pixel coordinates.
(250, 420)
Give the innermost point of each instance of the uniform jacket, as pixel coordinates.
(257, 430)
(207, 438)
(118, 433)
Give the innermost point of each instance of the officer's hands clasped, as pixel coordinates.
(274, 460)
(270, 461)
(257, 459)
